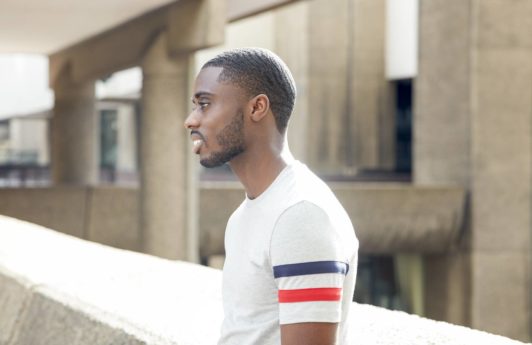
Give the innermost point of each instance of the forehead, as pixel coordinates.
(207, 81)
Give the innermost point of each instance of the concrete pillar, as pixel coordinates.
(473, 128)
(502, 167)
(442, 120)
(337, 56)
(74, 154)
(442, 140)
(164, 163)
(291, 35)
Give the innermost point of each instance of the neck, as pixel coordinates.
(258, 168)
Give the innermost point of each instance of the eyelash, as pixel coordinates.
(202, 105)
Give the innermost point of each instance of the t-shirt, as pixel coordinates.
(291, 257)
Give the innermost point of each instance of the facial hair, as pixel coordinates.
(231, 141)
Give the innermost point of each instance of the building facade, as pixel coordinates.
(434, 165)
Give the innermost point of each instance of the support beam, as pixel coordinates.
(74, 132)
(124, 46)
(163, 152)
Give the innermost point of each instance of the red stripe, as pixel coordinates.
(310, 295)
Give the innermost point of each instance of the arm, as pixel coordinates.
(309, 333)
(309, 270)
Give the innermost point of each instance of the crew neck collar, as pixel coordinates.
(271, 188)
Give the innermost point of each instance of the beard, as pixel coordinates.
(231, 141)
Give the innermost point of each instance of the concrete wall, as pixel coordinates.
(389, 218)
(473, 129)
(105, 215)
(56, 289)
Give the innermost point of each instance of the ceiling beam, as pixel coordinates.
(191, 27)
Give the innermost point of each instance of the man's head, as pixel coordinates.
(259, 71)
(237, 94)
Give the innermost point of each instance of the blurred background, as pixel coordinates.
(418, 113)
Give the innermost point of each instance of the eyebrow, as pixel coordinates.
(201, 94)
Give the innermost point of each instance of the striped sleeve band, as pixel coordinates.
(320, 290)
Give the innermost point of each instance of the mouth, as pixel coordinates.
(197, 141)
(196, 145)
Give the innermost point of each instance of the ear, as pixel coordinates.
(259, 106)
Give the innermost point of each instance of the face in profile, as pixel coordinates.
(216, 122)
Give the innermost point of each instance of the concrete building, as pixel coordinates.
(433, 163)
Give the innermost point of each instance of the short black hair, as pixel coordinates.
(259, 71)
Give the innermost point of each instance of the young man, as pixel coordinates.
(291, 251)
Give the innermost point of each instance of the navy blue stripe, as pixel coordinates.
(306, 268)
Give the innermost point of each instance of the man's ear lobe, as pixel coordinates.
(260, 105)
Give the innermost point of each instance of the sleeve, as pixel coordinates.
(308, 264)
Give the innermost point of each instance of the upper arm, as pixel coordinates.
(309, 265)
(309, 333)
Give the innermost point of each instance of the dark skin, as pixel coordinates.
(265, 153)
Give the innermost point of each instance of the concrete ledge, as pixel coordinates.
(388, 217)
(59, 290)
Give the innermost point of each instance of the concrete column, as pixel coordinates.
(164, 163)
(291, 37)
(442, 140)
(74, 132)
(473, 128)
(502, 167)
(337, 56)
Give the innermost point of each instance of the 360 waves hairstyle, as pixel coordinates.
(259, 71)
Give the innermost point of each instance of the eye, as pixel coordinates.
(203, 104)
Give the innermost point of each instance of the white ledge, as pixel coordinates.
(60, 290)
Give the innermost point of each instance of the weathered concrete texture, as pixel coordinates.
(291, 37)
(114, 294)
(57, 320)
(111, 217)
(372, 122)
(163, 152)
(195, 25)
(59, 208)
(502, 150)
(328, 80)
(373, 325)
(502, 168)
(74, 132)
(66, 291)
(400, 218)
(343, 108)
(388, 218)
(116, 50)
(105, 214)
(218, 200)
(442, 100)
(447, 285)
(493, 274)
(14, 295)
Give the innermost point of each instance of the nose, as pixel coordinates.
(191, 121)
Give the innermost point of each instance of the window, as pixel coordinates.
(108, 138)
(403, 125)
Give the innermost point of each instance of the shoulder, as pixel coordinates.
(303, 212)
(304, 232)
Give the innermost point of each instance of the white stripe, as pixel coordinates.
(309, 281)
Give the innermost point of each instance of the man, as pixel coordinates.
(291, 251)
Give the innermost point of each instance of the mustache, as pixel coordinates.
(197, 133)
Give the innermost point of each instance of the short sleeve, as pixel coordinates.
(309, 265)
